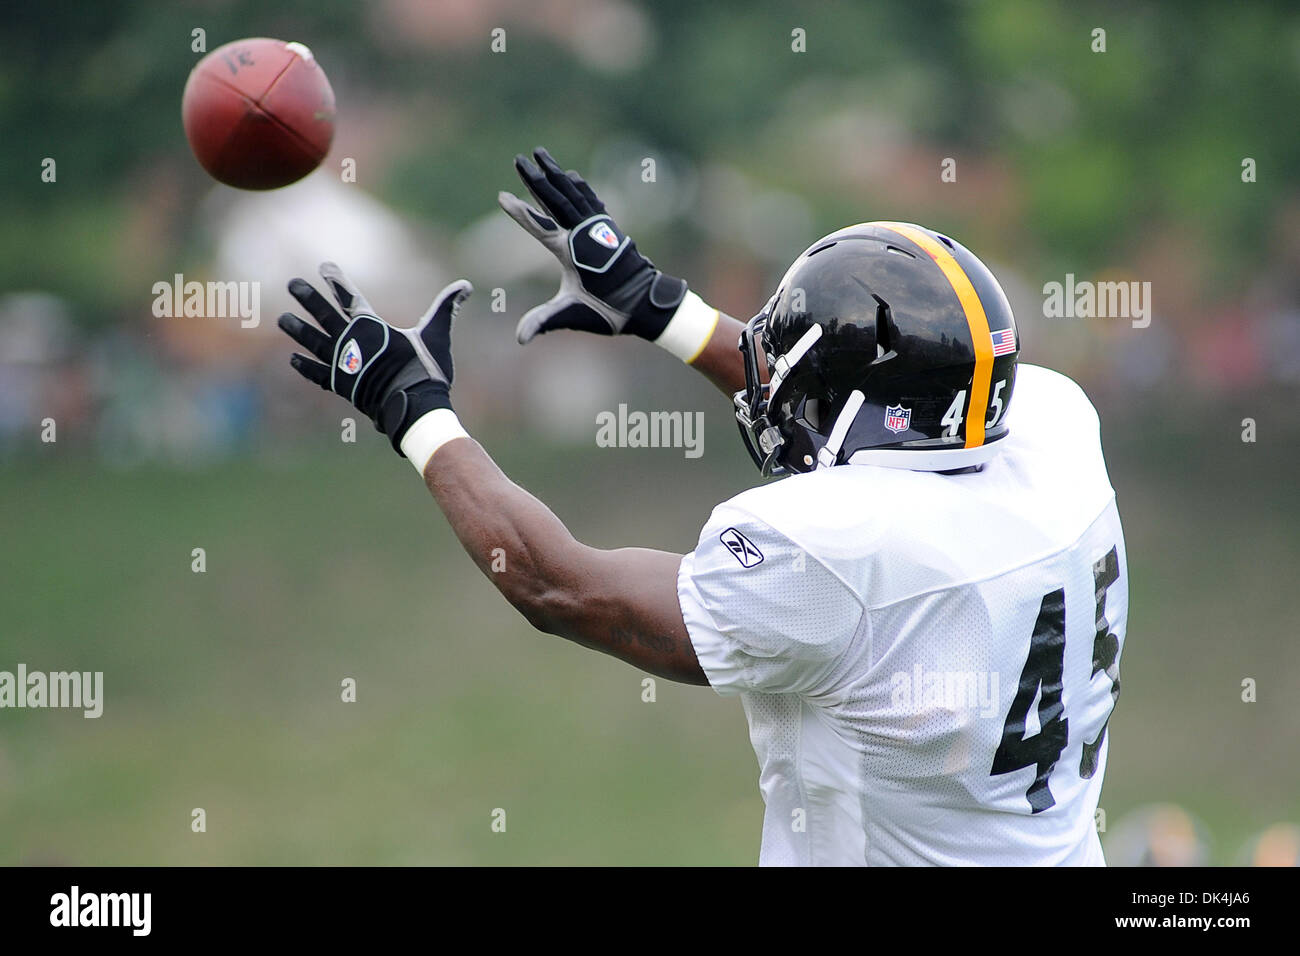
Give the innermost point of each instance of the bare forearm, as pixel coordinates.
(560, 585)
(496, 521)
(720, 361)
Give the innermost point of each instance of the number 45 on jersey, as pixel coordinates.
(1043, 671)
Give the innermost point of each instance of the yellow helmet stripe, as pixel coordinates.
(976, 320)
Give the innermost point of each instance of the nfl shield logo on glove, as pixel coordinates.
(897, 418)
(350, 360)
(604, 235)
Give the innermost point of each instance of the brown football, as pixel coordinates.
(259, 113)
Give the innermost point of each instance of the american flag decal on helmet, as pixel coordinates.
(1004, 341)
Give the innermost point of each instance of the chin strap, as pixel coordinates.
(784, 363)
(831, 450)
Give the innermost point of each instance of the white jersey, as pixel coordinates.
(927, 662)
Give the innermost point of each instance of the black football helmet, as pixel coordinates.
(887, 344)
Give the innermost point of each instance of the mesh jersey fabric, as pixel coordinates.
(885, 630)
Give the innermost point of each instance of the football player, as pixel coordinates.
(923, 621)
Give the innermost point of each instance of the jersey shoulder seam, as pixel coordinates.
(827, 568)
(980, 579)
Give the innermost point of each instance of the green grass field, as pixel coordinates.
(223, 688)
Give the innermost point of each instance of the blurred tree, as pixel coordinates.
(1101, 145)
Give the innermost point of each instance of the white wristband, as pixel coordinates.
(428, 433)
(690, 328)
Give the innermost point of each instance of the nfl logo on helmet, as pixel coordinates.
(897, 418)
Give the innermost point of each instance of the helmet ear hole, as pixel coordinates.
(812, 413)
(884, 327)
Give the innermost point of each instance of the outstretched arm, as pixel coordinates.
(720, 360)
(607, 286)
(621, 602)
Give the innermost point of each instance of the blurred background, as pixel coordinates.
(325, 560)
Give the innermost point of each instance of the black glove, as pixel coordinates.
(392, 375)
(607, 286)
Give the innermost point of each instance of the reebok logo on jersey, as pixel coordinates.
(744, 550)
(350, 360)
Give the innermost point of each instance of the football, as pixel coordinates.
(258, 113)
